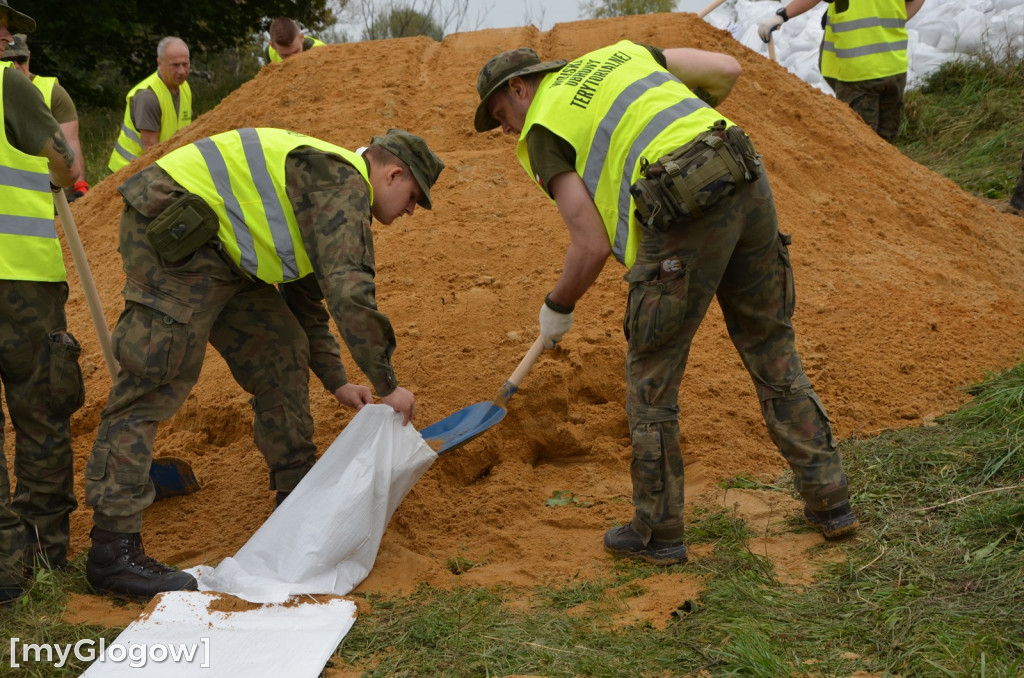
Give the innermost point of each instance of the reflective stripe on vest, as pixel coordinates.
(241, 176)
(29, 248)
(614, 106)
(866, 41)
(129, 141)
(45, 85)
(307, 43)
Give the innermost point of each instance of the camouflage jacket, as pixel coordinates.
(332, 206)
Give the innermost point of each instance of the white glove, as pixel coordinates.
(768, 25)
(553, 325)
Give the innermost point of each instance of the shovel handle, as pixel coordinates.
(771, 48)
(512, 385)
(707, 10)
(92, 297)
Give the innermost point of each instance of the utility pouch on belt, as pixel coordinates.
(688, 182)
(181, 229)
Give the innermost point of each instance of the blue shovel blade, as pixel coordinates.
(459, 428)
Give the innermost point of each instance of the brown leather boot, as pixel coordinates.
(118, 564)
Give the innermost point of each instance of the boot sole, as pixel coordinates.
(844, 531)
(646, 557)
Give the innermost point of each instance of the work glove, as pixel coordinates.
(764, 30)
(81, 188)
(555, 321)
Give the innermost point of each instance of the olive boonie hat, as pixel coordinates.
(17, 48)
(501, 69)
(16, 21)
(413, 152)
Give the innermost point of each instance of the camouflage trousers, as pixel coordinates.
(879, 102)
(171, 311)
(734, 253)
(43, 387)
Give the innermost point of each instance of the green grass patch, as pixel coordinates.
(967, 123)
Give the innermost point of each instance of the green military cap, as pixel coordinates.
(501, 69)
(17, 48)
(16, 21)
(413, 151)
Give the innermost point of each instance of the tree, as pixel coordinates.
(402, 22)
(100, 50)
(404, 18)
(602, 9)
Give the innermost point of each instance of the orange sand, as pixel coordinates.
(908, 289)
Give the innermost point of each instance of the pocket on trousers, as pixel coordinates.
(96, 467)
(151, 342)
(656, 310)
(67, 388)
(647, 453)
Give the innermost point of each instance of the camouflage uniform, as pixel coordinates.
(172, 310)
(736, 253)
(879, 102)
(43, 384)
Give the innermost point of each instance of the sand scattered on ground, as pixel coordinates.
(907, 289)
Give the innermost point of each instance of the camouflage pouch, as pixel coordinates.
(693, 179)
(186, 225)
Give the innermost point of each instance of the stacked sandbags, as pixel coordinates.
(941, 31)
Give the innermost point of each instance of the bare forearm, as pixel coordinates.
(65, 165)
(70, 130)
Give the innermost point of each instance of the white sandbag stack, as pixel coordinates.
(940, 32)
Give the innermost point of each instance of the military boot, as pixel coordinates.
(118, 564)
(623, 541)
(835, 523)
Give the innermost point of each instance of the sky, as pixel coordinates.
(482, 14)
(541, 13)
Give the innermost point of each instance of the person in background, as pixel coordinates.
(287, 40)
(57, 100)
(39, 372)
(627, 143)
(1017, 197)
(863, 54)
(158, 106)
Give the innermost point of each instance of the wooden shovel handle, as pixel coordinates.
(707, 10)
(512, 385)
(92, 297)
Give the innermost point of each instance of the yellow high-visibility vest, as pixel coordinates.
(866, 41)
(241, 176)
(29, 248)
(45, 84)
(129, 142)
(308, 42)
(614, 106)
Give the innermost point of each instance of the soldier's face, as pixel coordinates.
(175, 65)
(509, 106)
(5, 35)
(285, 50)
(396, 196)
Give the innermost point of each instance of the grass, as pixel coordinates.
(933, 585)
(966, 123)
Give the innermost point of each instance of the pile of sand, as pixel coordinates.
(908, 289)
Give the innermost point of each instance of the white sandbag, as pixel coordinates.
(325, 536)
(186, 634)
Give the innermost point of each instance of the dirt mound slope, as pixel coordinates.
(908, 288)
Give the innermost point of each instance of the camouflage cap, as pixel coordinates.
(501, 69)
(17, 48)
(16, 21)
(413, 151)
